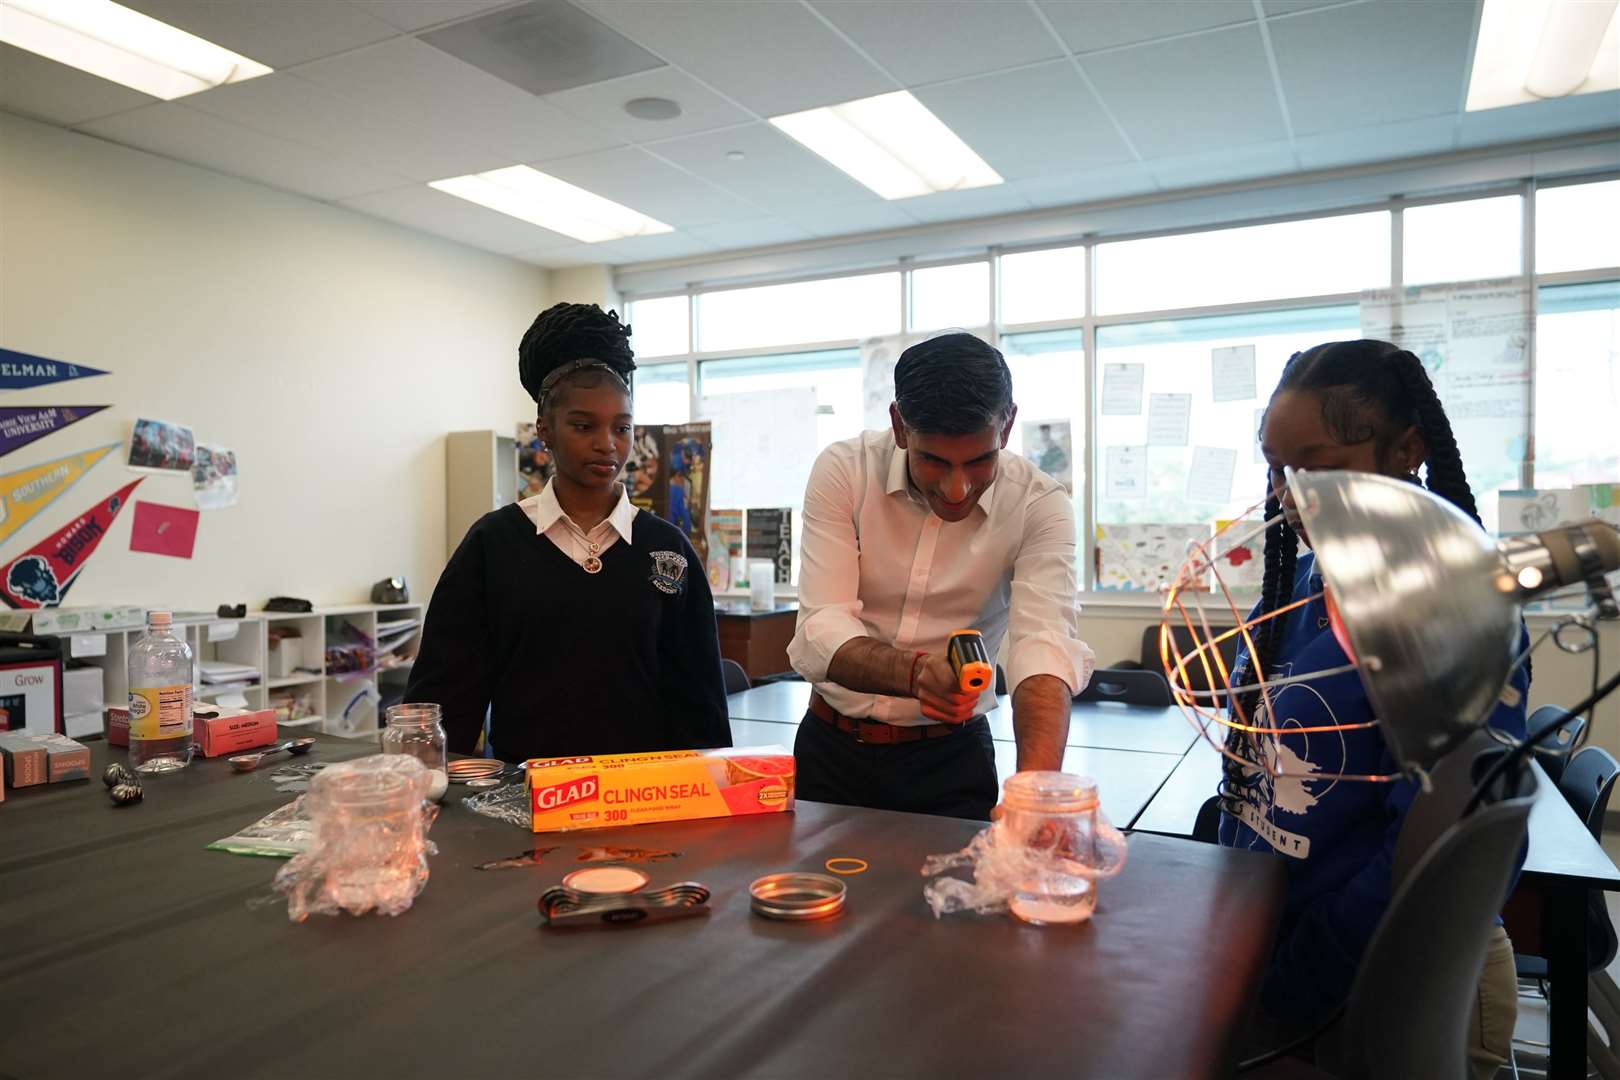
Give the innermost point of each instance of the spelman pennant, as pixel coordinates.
(26, 492)
(19, 370)
(19, 427)
(42, 576)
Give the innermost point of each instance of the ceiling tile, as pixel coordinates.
(1223, 166)
(754, 232)
(173, 130)
(1541, 119)
(677, 245)
(421, 207)
(602, 106)
(1191, 94)
(276, 35)
(31, 85)
(543, 46)
(1094, 185)
(291, 108)
(772, 58)
(655, 188)
(572, 255)
(775, 172)
(1030, 122)
(1372, 63)
(904, 36)
(1288, 7)
(873, 216)
(1086, 25)
(1377, 142)
(974, 202)
(408, 80)
(420, 14)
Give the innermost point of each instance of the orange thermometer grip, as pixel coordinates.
(970, 661)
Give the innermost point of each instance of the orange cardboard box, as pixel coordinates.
(673, 785)
(217, 736)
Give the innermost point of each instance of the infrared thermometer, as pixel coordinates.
(968, 658)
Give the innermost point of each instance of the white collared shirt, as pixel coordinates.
(550, 521)
(876, 562)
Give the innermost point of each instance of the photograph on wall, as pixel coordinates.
(686, 471)
(1048, 447)
(213, 477)
(24, 493)
(158, 446)
(533, 462)
(644, 470)
(19, 427)
(42, 575)
(725, 547)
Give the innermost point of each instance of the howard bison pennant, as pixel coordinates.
(42, 576)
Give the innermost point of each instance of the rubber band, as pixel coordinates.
(855, 866)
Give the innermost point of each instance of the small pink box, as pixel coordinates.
(217, 736)
(117, 725)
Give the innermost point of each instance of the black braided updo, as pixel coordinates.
(564, 333)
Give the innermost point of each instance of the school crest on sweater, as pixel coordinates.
(669, 571)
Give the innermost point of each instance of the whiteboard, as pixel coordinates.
(764, 446)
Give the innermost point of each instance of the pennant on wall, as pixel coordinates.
(19, 427)
(19, 370)
(26, 492)
(42, 576)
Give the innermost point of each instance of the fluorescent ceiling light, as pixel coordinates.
(892, 144)
(114, 42)
(1532, 50)
(550, 203)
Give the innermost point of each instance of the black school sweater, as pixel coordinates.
(570, 663)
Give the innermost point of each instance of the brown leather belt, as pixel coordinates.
(876, 731)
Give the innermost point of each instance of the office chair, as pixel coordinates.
(1554, 751)
(1127, 687)
(736, 678)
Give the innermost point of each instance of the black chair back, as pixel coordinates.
(1554, 751)
(1228, 649)
(1127, 687)
(1587, 782)
(736, 678)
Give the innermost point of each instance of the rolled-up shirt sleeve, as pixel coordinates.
(829, 565)
(1043, 633)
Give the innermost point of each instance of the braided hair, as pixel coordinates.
(565, 334)
(1367, 390)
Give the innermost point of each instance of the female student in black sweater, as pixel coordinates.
(580, 624)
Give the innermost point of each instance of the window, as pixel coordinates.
(1041, 285)
(659, 327)
(950, 297)
(1462, 241)
(833, 309)
(1139, 482)
(1577, 385)
(661, 394)
(1049, 388)
(1578, 227)
(1317, 257)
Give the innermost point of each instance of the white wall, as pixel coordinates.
(331, 350)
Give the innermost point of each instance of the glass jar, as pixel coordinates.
(1067, 844)
(368, 828)
(416, 729)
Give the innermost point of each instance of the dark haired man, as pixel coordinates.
(580, 625)
(912, 533)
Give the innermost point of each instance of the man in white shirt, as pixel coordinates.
(912, 533)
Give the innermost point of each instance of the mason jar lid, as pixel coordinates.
(795, 897)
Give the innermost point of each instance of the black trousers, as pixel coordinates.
(953, 776)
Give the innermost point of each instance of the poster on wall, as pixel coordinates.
(20, 370)
(213, 477)
(770, 536)
(644, 470)
(725, 548)
(24, 493)
(42, 575)
(878, 356)
(159, 446)
(1143, 557)
(19, 427)
(1239, 554)
(533, 462)
(1047, 446)
(686, 469)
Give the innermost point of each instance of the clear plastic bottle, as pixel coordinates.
(160, 698)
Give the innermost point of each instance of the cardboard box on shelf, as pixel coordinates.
(217, 736)
(117, 725)
(43, 759)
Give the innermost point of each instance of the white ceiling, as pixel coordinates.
(1070, 100)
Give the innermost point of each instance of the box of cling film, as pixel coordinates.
(671, 785)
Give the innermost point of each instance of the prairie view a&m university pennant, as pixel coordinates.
(19, 427)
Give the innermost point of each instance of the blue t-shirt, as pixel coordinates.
(1338, 836)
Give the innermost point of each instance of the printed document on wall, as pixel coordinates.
(764, 446)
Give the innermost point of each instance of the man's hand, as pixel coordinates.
(939, 692)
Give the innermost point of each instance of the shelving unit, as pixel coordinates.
(340, 704)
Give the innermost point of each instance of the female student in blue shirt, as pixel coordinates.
(1348, 405)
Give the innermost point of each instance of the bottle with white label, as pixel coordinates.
(160, 698)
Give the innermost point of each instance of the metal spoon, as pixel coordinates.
(249, 762)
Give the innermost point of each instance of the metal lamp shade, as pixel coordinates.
(1418, 598)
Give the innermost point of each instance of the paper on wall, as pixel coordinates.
(878, 356)
(1122, 389)
(1143, 557)
(1232, 373)
(1239, 556)
(1048, 447)
(764, 445)
(1125, 472)
(1210, 478)
(1169, 419)
(1533, 510)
